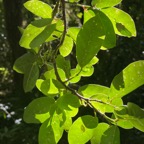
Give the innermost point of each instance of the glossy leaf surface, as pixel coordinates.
(39, 8)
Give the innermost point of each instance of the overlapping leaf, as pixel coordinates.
(82, 130)
(137, 116)
(23, 63)
(51, 131)
(104, 3)
(128, 80)
(98, 132)
(122, 22)
(39, 8)
(99, 35)
(111, 136)
(38, 110)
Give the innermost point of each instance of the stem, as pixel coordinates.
(87, 100)
(65, 28)
(64, 19)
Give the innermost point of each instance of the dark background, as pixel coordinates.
(12, 98)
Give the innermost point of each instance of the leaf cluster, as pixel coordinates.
(60, 102)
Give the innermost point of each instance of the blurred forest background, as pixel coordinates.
(12, 98)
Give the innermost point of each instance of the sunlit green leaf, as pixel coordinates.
(122, 22)
(128, 80)
(66, 48)
(51, 74)
(67, 101)
(138, 116)
(88, 14)
(125, 123)
(74, 0)
(43, 36)
(98, 132)
(99, 36)
(38, 110)
(47, 86)
(105, 3)
(91, 90)
(51, 131)
(29, 34)
(89, 40)
(39, 8)
(82, 130)
(73, 32)
(111, 136)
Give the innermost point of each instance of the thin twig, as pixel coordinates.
(87, 100)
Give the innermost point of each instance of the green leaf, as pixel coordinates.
(89, 40)
(104, 3)
(122, 22)
(111, 136)
(30, 77)
(29, 34)
(110, 38)
(43, 36)
(82, 129)
(101, 34)
(138, 116)
(99, 97)
(58, 30)
(74, 1)
(123, 118)
(124, 123)
(51, 74)
(38, 110)
(39, 8)
(88, 14)
(91, 90)
(67, 101)
(50, 131)
(128, 80)
(102, 107)
(73, 32)
(98, 132)
(63, 64)
(75, 77)
(66, 48)
(24, 62)
(47, 86)
(41, 22)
